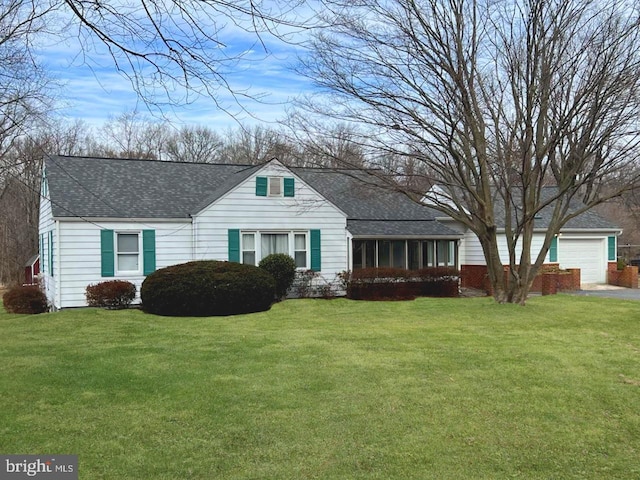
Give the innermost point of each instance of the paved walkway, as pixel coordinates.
(610, 291)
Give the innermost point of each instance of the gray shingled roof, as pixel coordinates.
(588, 220)
(405, 228)
(362, 197)
(123, 188)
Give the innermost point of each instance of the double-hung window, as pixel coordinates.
(128, 252)
(300, 249)
(249, 248)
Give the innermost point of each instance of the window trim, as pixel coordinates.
(117, 253)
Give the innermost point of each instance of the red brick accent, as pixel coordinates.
(549, 283)
(574, 283)
(627, 277)
(475, 276)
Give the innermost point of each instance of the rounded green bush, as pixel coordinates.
(282, 268)
(207, 288)
(25, 299)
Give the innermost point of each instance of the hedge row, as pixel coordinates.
(400, 284)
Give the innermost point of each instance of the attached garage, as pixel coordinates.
(587, 254)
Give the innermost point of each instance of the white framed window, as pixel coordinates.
(275, 187)
(257, 245)
(249, 248)
(128, 252)
(300, 249)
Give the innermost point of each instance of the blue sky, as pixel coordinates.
(93, 90)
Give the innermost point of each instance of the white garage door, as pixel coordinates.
(586, 254)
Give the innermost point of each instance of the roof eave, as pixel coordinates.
(124, 219)
(407, 237)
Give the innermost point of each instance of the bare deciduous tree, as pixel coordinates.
(257, 144)
(196, 144)
(20, 193)
(499, 100)
(24, 85)
(171, 50)
(131, 135)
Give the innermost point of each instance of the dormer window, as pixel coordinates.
(275, 187)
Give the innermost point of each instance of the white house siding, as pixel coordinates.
(241, 209)
(46, 224)
(471, 250)
(583, 251)
(80, 261)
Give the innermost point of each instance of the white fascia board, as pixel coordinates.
(590, 231)
(123, 220)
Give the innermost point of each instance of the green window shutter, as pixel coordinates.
(234, 245)
(316, 257)
(289, 187)
(611, 247)
(148, 251)
(106, 253)
(261, 186)
(51, 252)
(553, 250)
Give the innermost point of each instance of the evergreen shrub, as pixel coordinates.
(283, 269)
(25, 299)
(113, 294)
(207, 288)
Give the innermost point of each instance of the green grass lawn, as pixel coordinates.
(433, 388)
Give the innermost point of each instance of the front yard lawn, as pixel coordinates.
(433, 389)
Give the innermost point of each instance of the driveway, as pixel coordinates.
(609, 291)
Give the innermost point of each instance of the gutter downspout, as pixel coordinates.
(194, 236)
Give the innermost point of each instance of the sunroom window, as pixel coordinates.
(410, 254)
